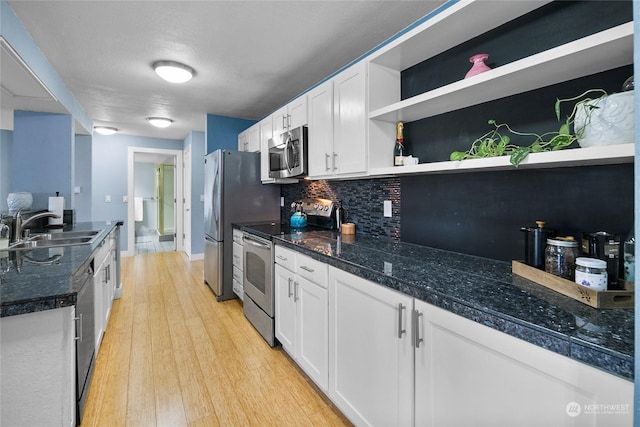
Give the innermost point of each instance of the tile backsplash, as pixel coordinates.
(361, 199)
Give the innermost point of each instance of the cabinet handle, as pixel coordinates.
(305, 268)
(78, 336)
(288, 120)
(416, 329)
(284, 122)
(335, 161)
(326, 161)
(290, 293)
(282, 258)
(400, 330)
(295, 291)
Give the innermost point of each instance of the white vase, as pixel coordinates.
(611, 122)
(17, 201)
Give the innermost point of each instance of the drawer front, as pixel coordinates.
(237, 235)
(238, 259)
(237, 274)
(238, 289)
(313, 270)
(285, 257)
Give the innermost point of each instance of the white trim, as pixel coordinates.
(131, 151)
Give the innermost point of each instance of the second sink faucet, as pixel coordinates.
(20, 224)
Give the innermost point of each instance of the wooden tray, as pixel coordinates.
(592, 297)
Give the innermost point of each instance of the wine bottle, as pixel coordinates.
(398, 149)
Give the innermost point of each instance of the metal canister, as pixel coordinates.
(535, 242)
(606, 246)
(560, 257)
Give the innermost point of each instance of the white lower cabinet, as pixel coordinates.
(371, 356)
(302, 313)
(467, 374)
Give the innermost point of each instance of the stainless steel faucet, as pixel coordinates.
(20, 224)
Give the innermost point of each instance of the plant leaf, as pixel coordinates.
(518, 155)
(457, 155)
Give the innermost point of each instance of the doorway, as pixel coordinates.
(155, 220)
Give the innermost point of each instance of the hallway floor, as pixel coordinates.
(173, 356)
(152, 244)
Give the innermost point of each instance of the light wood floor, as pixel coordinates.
(173, 356)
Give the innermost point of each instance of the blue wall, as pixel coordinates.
(6, 142)
(20, 40)
(222, 132)
(81, 202)
(197, 142)
(110, 162)
(42, 156)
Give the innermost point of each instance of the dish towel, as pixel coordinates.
(138, 208)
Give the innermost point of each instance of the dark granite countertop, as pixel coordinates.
(40, 279)
(485, 291)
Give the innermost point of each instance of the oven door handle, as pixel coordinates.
(255, 242)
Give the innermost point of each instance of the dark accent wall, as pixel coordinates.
(362, 200)
(481, 213)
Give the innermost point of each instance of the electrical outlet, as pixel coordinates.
(202, 197)
(388, 268)
(107, 198)
(387, 208)
(125, 199)
(281, 201)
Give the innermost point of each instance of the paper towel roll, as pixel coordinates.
(56, 205)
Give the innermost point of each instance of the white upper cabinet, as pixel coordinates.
(243, 140)
(291, 116)
(266, 132)
(459, 23)
(254, 138)
(338, 125)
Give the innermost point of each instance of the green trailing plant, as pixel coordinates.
(496, 142)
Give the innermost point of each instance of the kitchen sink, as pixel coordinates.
(49, 240)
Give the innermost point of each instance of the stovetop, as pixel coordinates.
(269, 229)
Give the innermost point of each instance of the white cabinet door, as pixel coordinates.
(469, 374)
(313, 330)
(320, 145)
(285, 309)
(371, 356)
(243, 141)
(253, 138)
(280, 121)
(266, 132)
(297, 110)
(350, 120)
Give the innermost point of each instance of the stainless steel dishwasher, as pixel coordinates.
(85, 334)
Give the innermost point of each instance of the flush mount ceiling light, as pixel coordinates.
(160, 122)
(105, 130)
(173, 72)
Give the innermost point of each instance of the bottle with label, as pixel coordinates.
(398, 150)
(629, 257)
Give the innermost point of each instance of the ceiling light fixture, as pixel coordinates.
(173, 72)
(160, 122)
(105, 130)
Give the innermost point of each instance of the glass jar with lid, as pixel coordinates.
(592, 273)
(560, 256)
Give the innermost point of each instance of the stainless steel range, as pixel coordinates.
(259, 296)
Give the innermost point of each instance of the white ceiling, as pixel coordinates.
(251, 57)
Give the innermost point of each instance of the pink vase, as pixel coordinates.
(478, 64)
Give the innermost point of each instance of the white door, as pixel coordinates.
(350, 120)
(371, 356)
(467, 374)
(320, 145)
(313, 331)
(186, 206)
(285, 309)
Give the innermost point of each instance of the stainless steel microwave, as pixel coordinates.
(288, 154)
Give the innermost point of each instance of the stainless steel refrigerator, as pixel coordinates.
(233, 193)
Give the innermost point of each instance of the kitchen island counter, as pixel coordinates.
(40, 279)
(485, 291)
